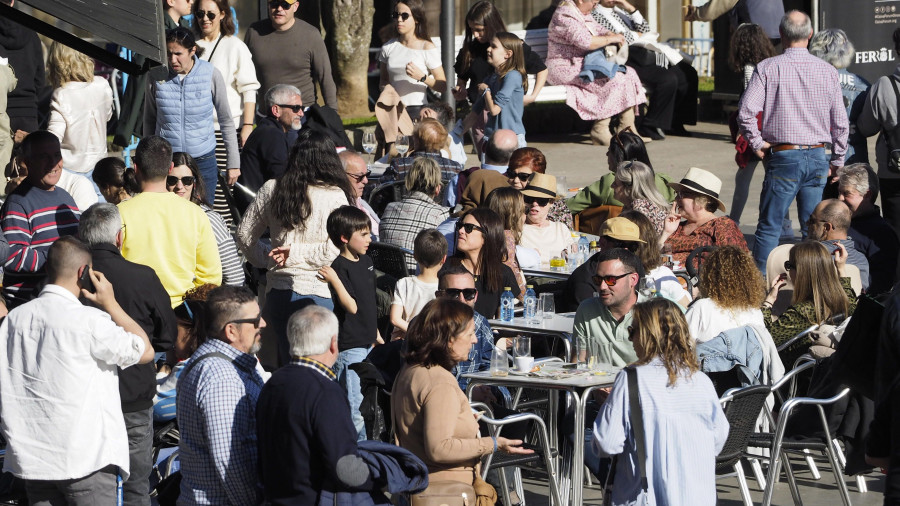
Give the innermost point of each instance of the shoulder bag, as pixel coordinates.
(892, 151)
(637, 427)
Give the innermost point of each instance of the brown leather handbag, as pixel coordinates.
(445, 493)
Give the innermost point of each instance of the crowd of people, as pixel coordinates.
(132, 297)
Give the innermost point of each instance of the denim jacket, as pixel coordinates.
(737, 346)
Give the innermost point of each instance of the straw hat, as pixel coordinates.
(541, 186)
(621, 229)
(703, 182)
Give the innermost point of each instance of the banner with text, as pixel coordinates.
(870, 25)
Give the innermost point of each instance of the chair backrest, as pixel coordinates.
(385, 193)
(742, 408)
(737, 377)
(591, 219)
(389, 259)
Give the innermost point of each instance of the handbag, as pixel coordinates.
(637, 427)
(447, 492)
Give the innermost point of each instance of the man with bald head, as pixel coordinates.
(35, 215)
(492, 174)
(802, 109)
(358, 174)
(829, 224)
(428, 138)
(58, 384)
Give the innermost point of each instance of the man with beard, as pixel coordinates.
(216, 404)
(265, 155)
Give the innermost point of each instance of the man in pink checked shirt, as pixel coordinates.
(800, 99)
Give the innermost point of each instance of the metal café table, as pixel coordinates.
(559, 326)
(579, 386)
(544, 271)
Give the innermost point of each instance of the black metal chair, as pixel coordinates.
(390, 259)
(742, 408)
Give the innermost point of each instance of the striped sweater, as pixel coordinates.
(31, 220)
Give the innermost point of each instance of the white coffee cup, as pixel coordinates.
(524, 364)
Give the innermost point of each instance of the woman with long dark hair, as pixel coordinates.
(481, 249)
(295, 208)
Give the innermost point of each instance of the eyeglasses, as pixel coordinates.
(403, 16)
(468, 227)
(207, 14)
(360, 177)
(254, 321)
(274, 4)
(618, 140)
(789, 266)
(540, 201)
(454, 293)
(186, 180)
(295, 108)
(609, 280)
(521, 176)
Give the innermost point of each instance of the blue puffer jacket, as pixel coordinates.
(394, 470)
(184, 110)
(730, 348)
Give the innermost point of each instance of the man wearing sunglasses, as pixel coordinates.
(601, 323)
(216, 404)
(265, 155)
(287, 50)
(358, 174)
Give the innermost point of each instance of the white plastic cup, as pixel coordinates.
(524, 364)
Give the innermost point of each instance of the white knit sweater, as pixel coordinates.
(233, 60)
(310, 247)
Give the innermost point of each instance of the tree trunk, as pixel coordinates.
(348, 32)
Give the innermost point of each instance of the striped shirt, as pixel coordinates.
(801, 101)
(32, 219)
(232, 270)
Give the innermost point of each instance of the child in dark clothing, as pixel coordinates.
(352, 280)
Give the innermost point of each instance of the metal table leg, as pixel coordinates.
(578, 454)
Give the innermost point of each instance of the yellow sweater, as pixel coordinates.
(173, 236)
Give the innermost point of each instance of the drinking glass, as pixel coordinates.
(562, 186)
(522, 346)
(547, 305)
(402, 144)
(368, 142)
(647, 287)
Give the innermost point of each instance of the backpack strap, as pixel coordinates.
(637, 423)
(213, 354)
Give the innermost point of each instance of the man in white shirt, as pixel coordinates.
(59, 390)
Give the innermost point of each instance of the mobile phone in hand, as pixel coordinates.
(86, 282)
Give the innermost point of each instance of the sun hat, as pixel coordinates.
(541, 186)
(703, 182)
(621, 229)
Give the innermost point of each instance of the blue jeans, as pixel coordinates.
(349, 380)
(791, 173)
(280, 305)
(209, 173)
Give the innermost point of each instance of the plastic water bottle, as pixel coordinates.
(594, 248)
(584, 249)
(507, 301)
(530, 305)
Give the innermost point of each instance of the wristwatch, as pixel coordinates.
(423, 78)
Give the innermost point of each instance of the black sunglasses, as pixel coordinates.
(254, 321)
(295, 108)
(609, 280)
(400, 15)
(360, 177)
(521, 176)
(453, 293)
(468, 227)
(788, 265)
(186, 180)
(208, 14)
(274, 4)
(540, 201)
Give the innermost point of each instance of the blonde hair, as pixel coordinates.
(640, 180)
(660, 330)
(424, 176)
(509, 204)
(816, 280)
(66, 65)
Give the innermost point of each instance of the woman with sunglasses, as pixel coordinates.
(635, 187)
(522, 164)
(549, 238)
(480, 249)
(821, 291)
(181, 107)
(684, 427)
(213, 22)
(483, 21)
(294, 208)
(184, 180)
(625, 146)
(410, 62)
